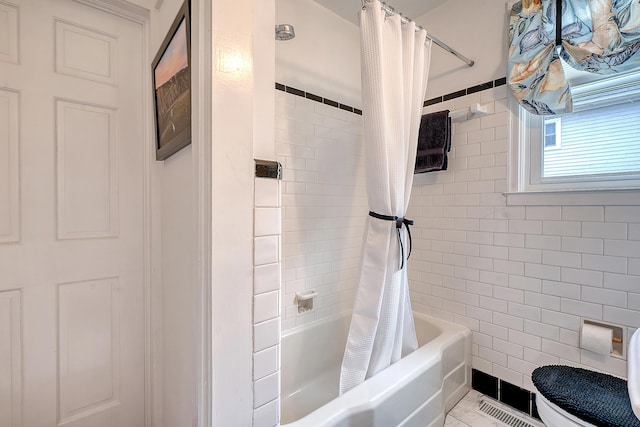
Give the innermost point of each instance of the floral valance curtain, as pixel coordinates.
(599, 36)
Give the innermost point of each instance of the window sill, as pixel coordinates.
(612, 197)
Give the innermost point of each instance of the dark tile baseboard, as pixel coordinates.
(505, 392)
(484, 383)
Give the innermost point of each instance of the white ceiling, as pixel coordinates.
(348, 9)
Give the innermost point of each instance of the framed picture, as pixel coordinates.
(171, 70)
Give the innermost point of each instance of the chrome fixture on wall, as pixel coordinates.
(285, 32)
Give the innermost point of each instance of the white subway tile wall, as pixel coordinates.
(266, 303)
(267, 415)
(324, 205)
(522, 278)
(266, 390)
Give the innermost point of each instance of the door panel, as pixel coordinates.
(87, 171)
(9, 190)
(71, 216)
(10, 359)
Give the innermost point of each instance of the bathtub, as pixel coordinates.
(418, 390)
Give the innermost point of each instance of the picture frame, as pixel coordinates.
(171, 75)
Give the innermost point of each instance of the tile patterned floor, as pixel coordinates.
(466, 414)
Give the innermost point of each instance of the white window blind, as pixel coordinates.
(603, 140)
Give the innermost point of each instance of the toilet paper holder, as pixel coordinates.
(617, 338)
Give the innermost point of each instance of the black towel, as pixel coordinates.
(434, 142)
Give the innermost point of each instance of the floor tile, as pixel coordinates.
(466, 413)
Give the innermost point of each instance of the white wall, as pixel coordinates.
(320, 147)
(175, 384)
(265, 62)
(267, 228)
(232, 203)
(521, 277)
(206, 238)
(266, 303)
(179, 293)
(324, 57)
(324, 205)
(475, 28)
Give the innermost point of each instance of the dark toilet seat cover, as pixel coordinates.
(597, 398)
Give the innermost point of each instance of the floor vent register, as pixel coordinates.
(506, 415)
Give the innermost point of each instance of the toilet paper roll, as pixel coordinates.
(596, 338)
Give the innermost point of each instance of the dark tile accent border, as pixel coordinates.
(479, 88)
(500, 82)
(346, 108)
(454, 95)
(518, 398)
(432, 101)
(316, 98)
(330, 102)
(468, 91)
(295, 91)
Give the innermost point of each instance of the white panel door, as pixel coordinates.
(71, 216)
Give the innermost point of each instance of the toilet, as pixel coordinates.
(572, 397)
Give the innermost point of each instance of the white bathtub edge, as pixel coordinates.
(367, 395)
(315, 323)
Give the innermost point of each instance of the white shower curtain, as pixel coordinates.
(395, 60)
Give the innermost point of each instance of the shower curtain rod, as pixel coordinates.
(391, 11)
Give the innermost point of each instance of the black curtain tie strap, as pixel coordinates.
(558, 22)
(400, 221)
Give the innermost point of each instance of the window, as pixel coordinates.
(552, 134)
(595, 147)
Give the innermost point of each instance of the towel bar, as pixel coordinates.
(477, 110)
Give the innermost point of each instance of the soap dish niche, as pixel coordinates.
(305, 300)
